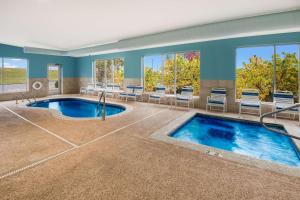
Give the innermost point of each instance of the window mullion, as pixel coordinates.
(274, 70)
(298, 73)
(2, 64)
(175, 71)
(163, 69)
(113, 71)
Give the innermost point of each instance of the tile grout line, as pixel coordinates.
(71, 149)
(35, 163)
(121, 128)
(46, 130)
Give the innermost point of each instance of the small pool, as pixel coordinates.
(240, 137)
(78, 108)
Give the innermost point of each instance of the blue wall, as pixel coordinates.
(217, 57)
(38, 64)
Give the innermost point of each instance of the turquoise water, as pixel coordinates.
(245, 138)
(78, 108)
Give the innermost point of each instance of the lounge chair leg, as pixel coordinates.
(259, 112)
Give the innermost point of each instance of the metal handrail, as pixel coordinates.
(278, 111)
(24, 96)
(103, 94)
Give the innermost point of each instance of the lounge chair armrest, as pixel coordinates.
(208, 98)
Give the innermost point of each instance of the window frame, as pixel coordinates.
(2, 92)
(273, 45)
(175, 64)
(105, 70)
(60, 76)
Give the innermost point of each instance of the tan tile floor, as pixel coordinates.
(116, 159)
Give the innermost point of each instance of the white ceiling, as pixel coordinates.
(74, 24)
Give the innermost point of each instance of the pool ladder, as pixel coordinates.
(22, 96)
(275, 112)
(102, 95)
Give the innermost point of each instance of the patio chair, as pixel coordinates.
(159, 93)
(129, 90)
(98, 88)
(111, 90)
(217, 98)
(83, 90)
(90, 89)
(137, 92)
(284, 99)
(186, 96)
(250, 101)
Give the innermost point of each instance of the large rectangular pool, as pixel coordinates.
(240, 137)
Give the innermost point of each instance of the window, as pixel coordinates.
(118, 71)
(54, 78)
(153, 71)
(174, 71)
(255, 71)
(287, 65)
(14, 75)
(259, 68)
(109, 72)
(188, 71)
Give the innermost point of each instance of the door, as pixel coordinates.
(54, 79)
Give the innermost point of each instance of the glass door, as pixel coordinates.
(54, 79)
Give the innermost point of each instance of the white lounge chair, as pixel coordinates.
(129, 90)
(284, 99)
(186, 96)
(83, 90)
(111, 90)
(98, 88)
(250, 101)
(159, 93)
(90, 89)
(217, 98)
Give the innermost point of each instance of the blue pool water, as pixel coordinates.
(78, 108)
(245, 138)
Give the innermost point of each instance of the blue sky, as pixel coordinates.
(14, 63)
(265, 52)
(242, 54)
(156, 61)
